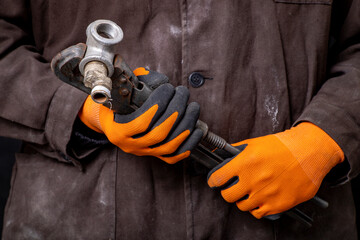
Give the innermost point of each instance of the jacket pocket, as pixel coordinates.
(323, 2)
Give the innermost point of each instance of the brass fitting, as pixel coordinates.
(95, 77)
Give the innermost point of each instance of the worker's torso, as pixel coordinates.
(262, 61)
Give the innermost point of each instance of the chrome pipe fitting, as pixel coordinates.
(97, 65)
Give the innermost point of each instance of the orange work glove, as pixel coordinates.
(276, 172)
(164, 126)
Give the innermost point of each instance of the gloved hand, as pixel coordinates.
(276, 172)
(164, 126)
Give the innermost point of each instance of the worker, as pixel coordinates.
(278, 78)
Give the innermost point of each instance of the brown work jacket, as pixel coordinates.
(266, 64)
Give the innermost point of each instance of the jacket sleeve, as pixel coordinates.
(336, 106)
(35, 106)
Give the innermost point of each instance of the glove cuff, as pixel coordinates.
(316, 152)
(89, 115)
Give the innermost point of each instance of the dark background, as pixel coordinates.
(356, 190)
(8, 148)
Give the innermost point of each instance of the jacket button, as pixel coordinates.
(196, 79)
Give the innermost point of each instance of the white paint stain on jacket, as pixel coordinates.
(272, 110)
(175, 31)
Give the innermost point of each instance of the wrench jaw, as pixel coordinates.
(123, 85)
(127, 92)
(95, 69)
(65, 65)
